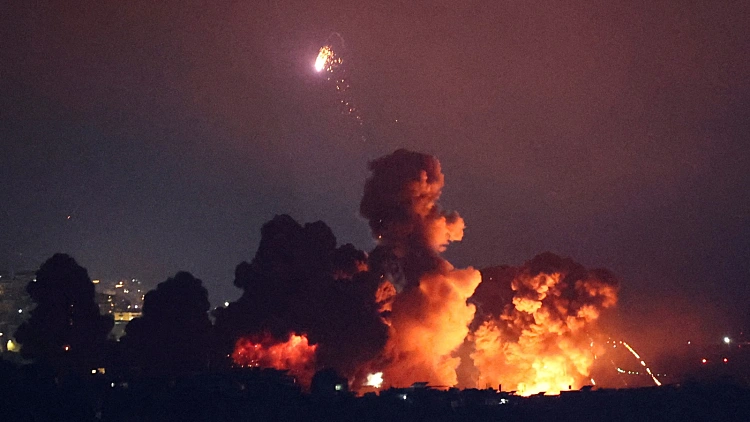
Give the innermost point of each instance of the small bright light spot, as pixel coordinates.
(704, 360)
(226, 304)
(688, 341)
(93, 371)
(20, 311)
(95, 281)
(66, 348)
(727, 340)
(11, 346)
(112, 385)
(503, 401)
(726, 360)
(402, 396)
(339, 387)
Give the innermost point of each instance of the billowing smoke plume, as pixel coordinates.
(428, 313)
(404, 310)
(300, 282)
(535, 328)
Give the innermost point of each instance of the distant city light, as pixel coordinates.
(20, 311)
(727, 340)
(226, 304)
(703, 360)
(95, 281)
(726, 360)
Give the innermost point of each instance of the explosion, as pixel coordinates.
(404, 314)
(295, 355)
(429, 316)
(542, 340)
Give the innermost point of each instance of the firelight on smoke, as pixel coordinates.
(295, 355)
(541, 341)
(408, 315)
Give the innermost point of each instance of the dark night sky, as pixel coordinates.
(616, 133)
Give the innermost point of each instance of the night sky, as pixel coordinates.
(616, 133)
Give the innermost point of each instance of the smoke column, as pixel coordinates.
(428, 314)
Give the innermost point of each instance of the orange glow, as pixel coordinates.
(541, 342)
(427, 325)
(295, 355)
(384, 296)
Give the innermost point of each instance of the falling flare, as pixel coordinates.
(637, 356)
(327, 59)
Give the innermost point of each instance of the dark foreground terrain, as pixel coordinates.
(31, 393)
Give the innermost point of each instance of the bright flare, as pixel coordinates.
(326, 59)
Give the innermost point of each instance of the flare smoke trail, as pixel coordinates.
(429, 315)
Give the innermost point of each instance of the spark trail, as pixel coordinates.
(330, 62)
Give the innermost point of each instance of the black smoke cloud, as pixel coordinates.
(301, 282)
(399, 204)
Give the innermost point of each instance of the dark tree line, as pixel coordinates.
(298, 282)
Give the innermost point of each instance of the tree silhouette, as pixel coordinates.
(174, 335)
(65, 329)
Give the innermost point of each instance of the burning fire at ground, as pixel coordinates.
(295, 355)
(429, 316)
(403, 314)
(542, 341)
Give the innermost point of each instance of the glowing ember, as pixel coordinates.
(295, 355)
